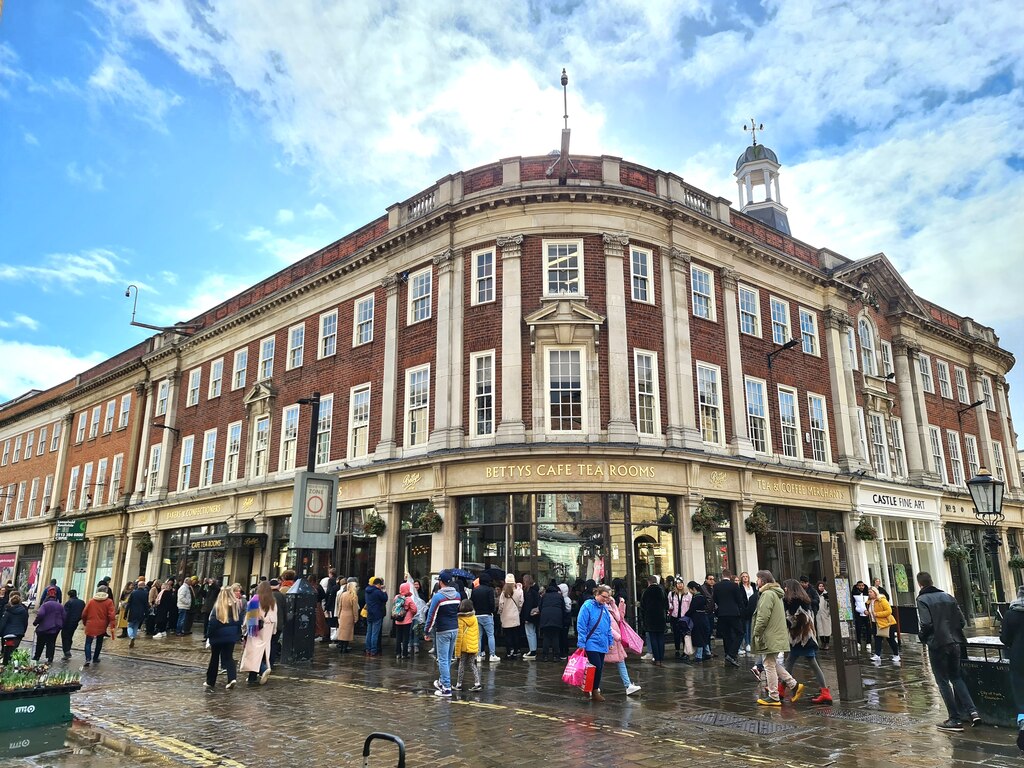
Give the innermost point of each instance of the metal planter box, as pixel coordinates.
(35, 707)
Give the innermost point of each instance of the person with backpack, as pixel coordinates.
(403, 610)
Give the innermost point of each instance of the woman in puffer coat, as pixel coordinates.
(13, 625)
(552, 618)
(49, 621)
(617, 652)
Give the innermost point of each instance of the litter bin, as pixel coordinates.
(986, 670)
(300, 624)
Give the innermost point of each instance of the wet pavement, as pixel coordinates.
(148, 705)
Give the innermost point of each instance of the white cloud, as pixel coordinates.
(283, 249)
(319, 211)
(85, 176)
(285, 216)
(70, 271)
(207, 293)
(169, 277)
(39, 366)
(20, 321)
(30, 139)
(114, 81)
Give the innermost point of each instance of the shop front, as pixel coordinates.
(85, 551)
(975, 574)
(909, 541)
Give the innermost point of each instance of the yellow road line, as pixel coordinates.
(197, 756)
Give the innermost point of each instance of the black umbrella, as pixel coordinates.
(497, 575)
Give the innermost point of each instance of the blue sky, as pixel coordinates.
(192, 148)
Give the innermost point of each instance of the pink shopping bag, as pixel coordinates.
(575, 668)
(630, 639)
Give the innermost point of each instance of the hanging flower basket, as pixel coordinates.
(1016, 561)
(430, 521)
(865, 531)
(757, 523)
(145, 544)
(956, 553)
(374, 525)
(708, 517)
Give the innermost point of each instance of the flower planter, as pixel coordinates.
(34, 707)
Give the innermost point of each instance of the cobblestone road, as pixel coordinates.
(152, 697)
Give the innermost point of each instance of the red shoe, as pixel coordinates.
(825, 697)
(782, 691)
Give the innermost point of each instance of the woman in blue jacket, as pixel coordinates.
(594, 633)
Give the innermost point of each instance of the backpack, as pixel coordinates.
(398, 609)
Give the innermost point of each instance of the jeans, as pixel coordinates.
(678, 633)
(893, 643)
(597, 659)
(182, 616)
(656, 642)
(402, 633)
(747, 626)
(133, 629)
(946, 669)
(89, 655)
(66, 636)
(531, 636)
(373, 635)
(623, 673)
(47, 642)
(221, 655)
(486, 625)
(791, 661)
(444, 642)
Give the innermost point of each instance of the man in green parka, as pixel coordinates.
(770, 638)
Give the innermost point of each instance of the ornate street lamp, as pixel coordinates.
(987, 495)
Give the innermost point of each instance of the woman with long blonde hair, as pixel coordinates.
(261, 626)
(346, 608)
(225, 630)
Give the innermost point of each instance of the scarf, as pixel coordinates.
(1018, 603)
(252, 617)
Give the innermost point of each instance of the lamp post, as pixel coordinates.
(987, 495)
(788, 345)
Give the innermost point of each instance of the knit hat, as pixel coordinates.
(510, 578)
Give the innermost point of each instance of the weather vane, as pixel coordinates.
(754, 128)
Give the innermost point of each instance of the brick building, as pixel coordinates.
(566, 370)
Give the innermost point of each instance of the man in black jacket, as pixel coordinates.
(136, 610)
(529, 615)
(72, 618)
(483, 606)
(654, 611)
(730, 606)
(812, 594)
(942, 630)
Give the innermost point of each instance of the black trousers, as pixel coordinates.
(551, 645)
(221, 655)
(46, 642)
(66, 636)
(730, 629)
(403, 632)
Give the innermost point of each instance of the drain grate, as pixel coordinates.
(875, 718)
(733, 722)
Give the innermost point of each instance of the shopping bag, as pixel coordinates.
(334, 634)
(688, 645)
(630, 639)
(575, 668)
(588, 678)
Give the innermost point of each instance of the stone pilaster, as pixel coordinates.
(449, 351)
(741, 444)
(843, 417)
(987, 457)
(683, 432)
(620, 427)
(388, 402)
(511, 428)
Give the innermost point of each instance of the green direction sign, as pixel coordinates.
(70, 530)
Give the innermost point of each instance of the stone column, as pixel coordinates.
(143, 451)
(845, 420)
(745, 556)
(741, 444)
(859, 440)
(918, 462)
(57, 495)
(386, 447)
(511, 429)
(442, 435)
(132, 556)
(682, 373)
(987, 457)
(621, 428)
(1009, 445)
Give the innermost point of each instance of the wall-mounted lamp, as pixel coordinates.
(965, 409)
(788, 345)
(175, 430)
(891, 376)
(404, 276)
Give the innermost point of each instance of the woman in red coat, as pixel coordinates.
(99, 618)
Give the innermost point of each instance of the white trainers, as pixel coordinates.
(896, 659)
(875, 658)
(494, 658)
(647, 657)
(633, 688)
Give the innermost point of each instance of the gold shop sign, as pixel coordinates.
(189, 512)
(800, 489)
(589, 470)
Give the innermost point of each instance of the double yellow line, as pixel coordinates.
(158, 742)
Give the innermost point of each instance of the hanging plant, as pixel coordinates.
(1016, 561)
(865, 531)
(430, 521)
(145, 544)
(374, 525)
(708, 517)
(757, 523)
(956, 553)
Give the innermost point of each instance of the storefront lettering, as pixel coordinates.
(791, 488)
(902, 502)
(595, 470)
(205, 509)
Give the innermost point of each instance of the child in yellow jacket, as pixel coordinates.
(467, 644)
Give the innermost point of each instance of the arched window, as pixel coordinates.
(867, 347)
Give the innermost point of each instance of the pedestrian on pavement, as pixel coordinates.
(166, 609)
(443, 625)
(654, 611)
(941, 629)
(877, 584)
(210, 591)
(72, 618)
(708, 590)
(13, 624)
(700, 621)
(617, 651)
(53, 583)
(510, 605)
(1011, 633)
(563, 636)
(823, 618)
(484, 605)
(331, 589)
(861, 620)
(99, 618)
(529, 615)
(594, 634)
(552, 616)
(136, 610)
(224, 631)
(154, 597)
(376, 606)
(183, 603)
(122, 609)
(730, 605)
(347, 608)
(678, 607)
(49, 621)
(282, 618)
(812, 594)
(749, 590)
(260, 625)
(467, 644)
(770, 638)
(402, 614)
(885, 625)
(802, 640)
